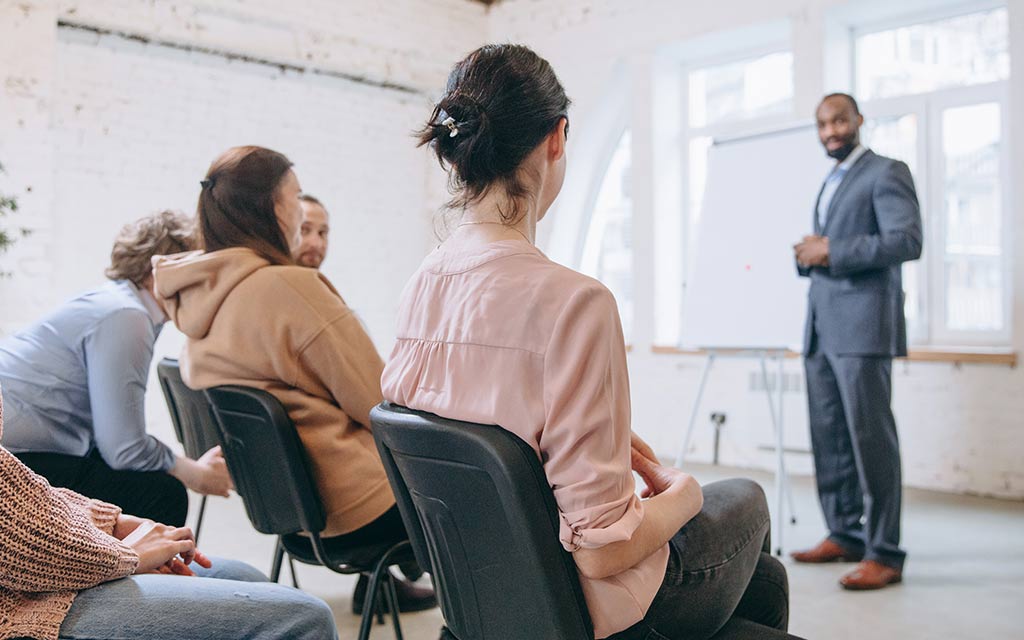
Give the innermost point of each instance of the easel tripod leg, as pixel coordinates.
(693, 414)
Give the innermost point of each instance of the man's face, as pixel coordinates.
(838, 126)
(313, 236)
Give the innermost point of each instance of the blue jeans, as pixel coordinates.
(230, 601)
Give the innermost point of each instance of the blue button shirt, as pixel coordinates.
(832, 182)
(75, 381)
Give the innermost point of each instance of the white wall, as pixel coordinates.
(112, 110)
(961, 426)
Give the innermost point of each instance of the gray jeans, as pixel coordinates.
(230, 601)
(721, 582)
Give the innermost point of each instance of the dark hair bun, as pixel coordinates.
(500, 103)
(467, 143)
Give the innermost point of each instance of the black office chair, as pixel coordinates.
(481, 514)
(273, 476)
(194, 424)
(196, 429)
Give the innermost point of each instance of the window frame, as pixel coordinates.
(928, 107)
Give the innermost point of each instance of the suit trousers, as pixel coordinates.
(856, 452)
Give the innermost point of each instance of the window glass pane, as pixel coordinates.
(974, 300)
(973, 217)
(960, 51)
(751, 88)
(608, 251)
(893, 136)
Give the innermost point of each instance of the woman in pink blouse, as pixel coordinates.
(492, 331)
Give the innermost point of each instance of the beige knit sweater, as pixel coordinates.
(53, 544)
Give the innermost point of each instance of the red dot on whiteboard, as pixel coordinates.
(747, 267)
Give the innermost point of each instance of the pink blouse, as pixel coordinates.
(502, 335)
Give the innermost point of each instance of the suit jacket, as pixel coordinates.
(873, 226)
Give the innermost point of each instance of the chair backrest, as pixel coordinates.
(476, 503)
(194, 424)
(267, 460)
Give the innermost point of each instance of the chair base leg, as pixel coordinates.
(381, 584)
(295, 577)
(275, 567)
(199, 519)
(391, 596)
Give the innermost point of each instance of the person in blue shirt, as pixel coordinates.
(75, 383)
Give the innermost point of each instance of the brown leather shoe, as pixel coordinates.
(870, 575)
(826, 551)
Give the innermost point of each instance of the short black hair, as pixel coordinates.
(846, 96)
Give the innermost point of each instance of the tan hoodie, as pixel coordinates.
(285, 329)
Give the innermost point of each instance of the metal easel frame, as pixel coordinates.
(775, 404)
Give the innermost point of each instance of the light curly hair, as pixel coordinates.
(159, 234)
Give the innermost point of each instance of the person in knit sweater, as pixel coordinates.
(75, 567)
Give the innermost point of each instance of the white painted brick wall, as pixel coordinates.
(107, 128)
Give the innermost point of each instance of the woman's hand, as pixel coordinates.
(159, 545)
(637, 444)
(176, 567)
(661, 479)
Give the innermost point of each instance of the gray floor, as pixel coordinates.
(964, 577)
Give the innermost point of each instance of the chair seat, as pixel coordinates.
(351, 560)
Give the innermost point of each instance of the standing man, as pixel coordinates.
(866, 225)
(74, 387)
(313, 246)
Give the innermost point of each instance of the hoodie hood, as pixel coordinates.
(192, 286)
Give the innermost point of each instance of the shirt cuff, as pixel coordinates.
(576, 532)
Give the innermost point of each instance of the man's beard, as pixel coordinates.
(309, 259)
(841, 153)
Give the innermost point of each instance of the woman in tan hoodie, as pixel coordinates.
(253, 317)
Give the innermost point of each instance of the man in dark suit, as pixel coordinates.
(866, 225)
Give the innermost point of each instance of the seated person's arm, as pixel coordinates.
(678, 499)
(586, 446)
(49, 544)
(118, 353)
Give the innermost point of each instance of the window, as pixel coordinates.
(740, 90)
(935, 93)
(973, 284)
(918, 58)
(608, 249)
